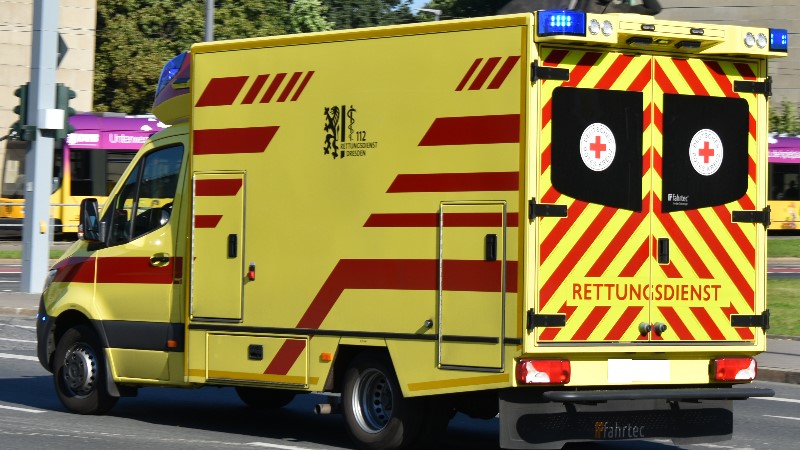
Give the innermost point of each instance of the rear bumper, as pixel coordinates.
(546, 419)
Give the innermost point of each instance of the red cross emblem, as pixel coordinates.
(706, 152)
(597, 147)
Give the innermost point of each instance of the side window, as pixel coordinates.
(597, 146)
(144, 203)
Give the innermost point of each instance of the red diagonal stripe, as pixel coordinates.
(472, 130)
(455, 182)
(591, 322)
(432, 220)
(721, 254)
(285, 359)
(722, 80)
(642, 80)
(614, 72)
(273, 87)
(547, 112)
(302, 86)
(663, 81)
(637, 261)
(658, 119)
(221, 91)
(744, 244)
(745, 70)
(555, 57)
(683, 244)
(646, 165)
(415, 274)
(613, 248)
(225, 141)
(708, 323)
(289, 86)
(558, 232)
(252, 93)
(624, 323)
(75, 269)
(582, 68)
(551, 196)
(690, 76)
(744, 333)
(546, 157)
(207, 220)
(550, 333)
(579, 248)
(502, 74)
(487, 69)
(747, 203)
(676, 323)
(217, 187)
(469, 73)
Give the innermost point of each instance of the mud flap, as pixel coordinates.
(528, 420)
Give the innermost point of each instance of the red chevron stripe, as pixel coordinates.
(555, 57)
(303, 85)
(642, 80)
(217, 187)
(722, 80)
(429, 220)
(745, 71)
(747, 203)
(483, 75)
(469, 73)
(708, 323)
(252, 93)
(676, 323)
(582, 68)
(591, 322)
(579, 249)
(723, 257)
(647, 117)
(683, 244)
(547, 112)
(550, 333)
(560, 230)
(646, 164)
(612, 249)
(658, 119)
(546, 157)
(742, 241)
(624, 323)
(689, 76)
(473, 130)
(502, 74)
(76, 269)
(227, 141)
(551, 195)
(638, 260)
(744, 333)
(289, 86)
(207, 220)
(221, 91)
(663, 81)
(455, 182)
(614, 72)
(273, 87)
(475, 276)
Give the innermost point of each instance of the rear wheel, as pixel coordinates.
(264, 398)
(375, 411)
(80, 372)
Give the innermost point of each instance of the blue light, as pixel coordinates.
(558, 22)
(778, 40)
(169, 71)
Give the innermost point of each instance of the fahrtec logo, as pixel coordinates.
(606, 430)
(678, 199)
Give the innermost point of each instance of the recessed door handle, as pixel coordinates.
(159, 260)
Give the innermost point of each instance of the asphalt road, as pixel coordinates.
(32, 417)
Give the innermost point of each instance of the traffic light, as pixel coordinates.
(63, 95)
(20, 130)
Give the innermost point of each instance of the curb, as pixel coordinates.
(778, 375)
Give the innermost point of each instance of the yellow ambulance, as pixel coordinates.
(559, 217)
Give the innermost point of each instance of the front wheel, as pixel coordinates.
(375, 411)
(79, 372)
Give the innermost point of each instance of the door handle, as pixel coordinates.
(663, 250)
(159, 260)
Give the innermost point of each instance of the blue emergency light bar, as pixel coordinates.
(778, 40)
(559, 22)
(169, 71)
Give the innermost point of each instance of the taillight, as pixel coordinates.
(733, 369)
(543, 371)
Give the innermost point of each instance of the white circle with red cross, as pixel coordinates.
(705, 152)
(598, 147)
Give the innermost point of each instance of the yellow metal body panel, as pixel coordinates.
(228, 359)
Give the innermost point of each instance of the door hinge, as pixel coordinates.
(762, 217)
(758, 320)
(547, 73)
(545, 320)
(754, 87)
(545, 210)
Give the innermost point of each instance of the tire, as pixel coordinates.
(264, 398)
(79, 372)
(375, 412)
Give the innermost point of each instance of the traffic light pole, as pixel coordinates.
(39, 157)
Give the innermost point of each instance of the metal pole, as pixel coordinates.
(209, 21)
(39, 157)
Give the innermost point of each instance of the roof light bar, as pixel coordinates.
(778, 40)
(169, 71)
(560, 22)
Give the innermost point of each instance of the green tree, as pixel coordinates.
(308, 16)
(784, 118)
(456, 9)
(346, 14)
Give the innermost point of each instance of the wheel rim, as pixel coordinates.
(372, 398)
(80, 369)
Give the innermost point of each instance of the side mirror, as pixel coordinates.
(90, 227)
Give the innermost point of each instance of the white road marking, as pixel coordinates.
(278, 446)
(14, 408)
(25, 357)
(18, 340)
(782, 417)
(778, 399)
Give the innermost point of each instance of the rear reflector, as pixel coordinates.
(733, 369)
(543, 371)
